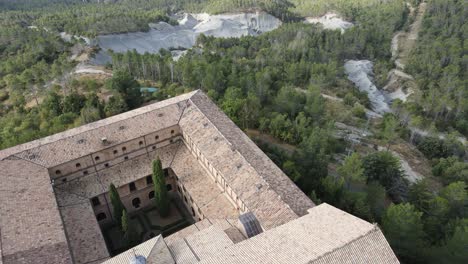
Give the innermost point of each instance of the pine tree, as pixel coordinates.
(117, 204)
(160, 191)
(403, 228)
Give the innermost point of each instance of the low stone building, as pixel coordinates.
(54, 195)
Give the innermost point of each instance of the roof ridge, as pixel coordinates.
(240, 154)
(91, 126)
(375, 228)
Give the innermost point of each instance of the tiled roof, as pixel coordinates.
(153, 250)
(31, 229)
(258, 182)
(325, 235)
(86, 139)
(39, 223)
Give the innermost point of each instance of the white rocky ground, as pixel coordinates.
(183, 36)
(360, 73)
(330, 21)
(89, 69)
(68, 37)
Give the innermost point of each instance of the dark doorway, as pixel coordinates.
(101, 216)
(136, 202)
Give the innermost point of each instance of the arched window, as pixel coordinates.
(156, 137)
(124, 148)
(172, 131)
(101, 216)
(140, 143)
(151, 195)
(96, 158)
(136, 202)
(78, 165)
(115, 151)
(58, 172)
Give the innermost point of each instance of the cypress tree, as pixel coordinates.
(117, 204)
(124, 221)
(160, 192)
(130, 233)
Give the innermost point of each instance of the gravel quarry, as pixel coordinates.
(183, 36)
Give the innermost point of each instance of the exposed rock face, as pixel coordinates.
(183, 36)
(360, 73)
(330, 21)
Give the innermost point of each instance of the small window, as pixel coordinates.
(154, 147)
(126, 158)
(149, 180)
(172, 131)
(106, 165)
(58, 172)
(140, 143)
(115, 151)
(85, 172)
(64, 180)
(101, 216)
(95, 201)
(78, 165)
(132, 186)
(171, 141)
(124, 149)
(96, 158)
(151, 195)
(169, 187)
(156, 137)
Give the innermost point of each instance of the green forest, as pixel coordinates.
(277, 88)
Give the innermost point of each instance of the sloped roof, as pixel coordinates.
(31, 229)
(26, 192)
(325, 235)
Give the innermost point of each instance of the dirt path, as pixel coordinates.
(404, 42)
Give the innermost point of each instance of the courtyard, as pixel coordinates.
(147, 224)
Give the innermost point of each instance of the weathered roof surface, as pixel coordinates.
(153, 250)
(31, 230)
(325, 235)
(84, 140)
(253, 177)
(32, 227)
(203, 190)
